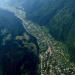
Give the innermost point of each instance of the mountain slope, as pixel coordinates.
(50, 17)
(57, 16)
(17, 47)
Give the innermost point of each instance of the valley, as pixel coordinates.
(17, 47)
(45, 41)
(46, 29)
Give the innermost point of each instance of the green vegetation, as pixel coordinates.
(57, 16)
(18, 50)
(52, 23)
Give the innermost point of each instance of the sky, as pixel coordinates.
(4, 2)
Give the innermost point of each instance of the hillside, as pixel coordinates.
(51, 22)
(18, 49)
(57, 16)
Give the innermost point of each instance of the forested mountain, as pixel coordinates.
(17, 47)
(39, 28)
(57, 15)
